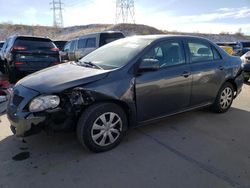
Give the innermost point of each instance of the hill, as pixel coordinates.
(68, 33)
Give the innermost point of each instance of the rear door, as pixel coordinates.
(32, 54)
(90, 46)
(166, 91)
(208, 71)
(71, 52)
(81, 45)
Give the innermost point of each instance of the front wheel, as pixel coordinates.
(101, 127)
(224, 98)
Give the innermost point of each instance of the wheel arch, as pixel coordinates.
(128, 109)
(231, 81)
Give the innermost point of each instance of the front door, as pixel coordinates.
(167, 90)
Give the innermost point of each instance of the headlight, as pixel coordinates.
(44, 102)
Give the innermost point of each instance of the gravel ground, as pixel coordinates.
(197, 149)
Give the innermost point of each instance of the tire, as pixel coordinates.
(246, 80)
(98, 136)
(224, 98)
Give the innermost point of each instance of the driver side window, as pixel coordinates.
(167, 53)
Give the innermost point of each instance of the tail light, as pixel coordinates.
(18, 48)
(19, 63)
(56, 63)
(54, 49)
(4, 84)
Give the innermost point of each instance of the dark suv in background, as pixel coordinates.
(26, 54)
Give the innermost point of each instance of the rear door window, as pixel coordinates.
(72, 45)
(200, 51)
(91, 43)
(67, 46)
(81, 43)
(106, 38)
(217, 55)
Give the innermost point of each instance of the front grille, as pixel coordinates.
(17, 99)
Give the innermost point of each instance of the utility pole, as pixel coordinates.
(125, 9)
(57, 13)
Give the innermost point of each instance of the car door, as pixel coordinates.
(167, 90)
(71, 52)
(64, 54)
(80, 48)
(208, 71)
(90, 46)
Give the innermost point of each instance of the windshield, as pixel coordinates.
(118, 53)
(246, 44)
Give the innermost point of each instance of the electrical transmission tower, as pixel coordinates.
(125, 11)
(57, 13)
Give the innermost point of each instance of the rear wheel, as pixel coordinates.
(224, 98)
(101, 127)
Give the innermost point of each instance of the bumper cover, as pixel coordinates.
(22, 121)
(246, 70)
(22, 127)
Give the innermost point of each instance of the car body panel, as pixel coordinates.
(51, 80)
(246, 65)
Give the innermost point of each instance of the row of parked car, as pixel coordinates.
(22, 55)
(242, 49)
(235, 48)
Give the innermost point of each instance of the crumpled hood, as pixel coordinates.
(58, 78)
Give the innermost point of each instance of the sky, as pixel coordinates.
(211, 16)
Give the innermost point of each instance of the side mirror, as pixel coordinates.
(149, 65)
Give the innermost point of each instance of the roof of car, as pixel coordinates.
(97, 33)
(155, 37)
(28, 36)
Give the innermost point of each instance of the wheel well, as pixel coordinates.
(121, 104)
(231, 81)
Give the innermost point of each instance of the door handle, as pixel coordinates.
(221, 67)
(186, 74)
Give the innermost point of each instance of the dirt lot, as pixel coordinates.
(197, 149)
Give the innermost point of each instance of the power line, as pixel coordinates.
(125, 9)
(57, 13)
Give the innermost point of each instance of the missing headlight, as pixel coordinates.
(80, 97)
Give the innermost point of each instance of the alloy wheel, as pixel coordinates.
(226, 98)
(106, 129)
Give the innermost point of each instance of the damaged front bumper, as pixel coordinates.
(23, 123)
(21, 126)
